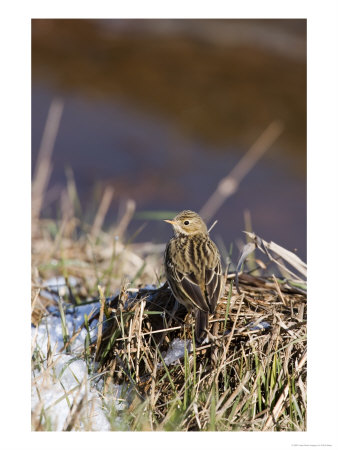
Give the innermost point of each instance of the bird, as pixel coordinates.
(193, 269)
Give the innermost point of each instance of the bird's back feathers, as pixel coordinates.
(194, 272)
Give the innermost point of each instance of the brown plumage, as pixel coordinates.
(193, 269)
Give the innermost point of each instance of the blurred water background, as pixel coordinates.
(162, 110)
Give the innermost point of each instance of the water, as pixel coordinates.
(163, 117)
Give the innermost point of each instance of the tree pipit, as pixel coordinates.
(193, 269)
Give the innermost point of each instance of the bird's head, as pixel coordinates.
(189, 223)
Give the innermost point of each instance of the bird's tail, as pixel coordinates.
(201, 325)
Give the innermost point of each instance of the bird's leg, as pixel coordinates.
(175, 308)
(188, 320)
(215, 329)
(168, 324)
(210, 339)
(215, 345)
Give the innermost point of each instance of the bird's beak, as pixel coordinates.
(170, 221)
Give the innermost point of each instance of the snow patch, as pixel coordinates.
(62, 382)
(176, 350)
(61, 387)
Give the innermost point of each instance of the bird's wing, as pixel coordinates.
(213, 275)
(186, 287)
(203, 294)
(193, 290)
(213, 285)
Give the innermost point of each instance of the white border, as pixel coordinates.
(322, 219)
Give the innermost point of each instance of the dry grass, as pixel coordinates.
(251, 375)
(245, 378)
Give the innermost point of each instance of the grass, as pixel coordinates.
(244, 379)
(248, 377)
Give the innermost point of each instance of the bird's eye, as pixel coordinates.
(186, 222)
